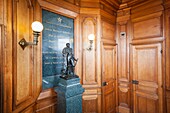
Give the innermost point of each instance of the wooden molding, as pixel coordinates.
(71, 10)
(146, 17)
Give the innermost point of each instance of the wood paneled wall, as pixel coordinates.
(128, 36)
(22, 69)
(102, 25)
(139, 30)
(123, 79)
(89, 23)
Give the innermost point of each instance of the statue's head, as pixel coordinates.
(68, 44)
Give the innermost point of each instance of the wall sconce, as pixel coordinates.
(91, 38)
(37, 27)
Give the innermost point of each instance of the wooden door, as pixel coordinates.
(147, 78)
(109, 78)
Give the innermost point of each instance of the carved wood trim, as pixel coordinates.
(63, 7)
(146, 17)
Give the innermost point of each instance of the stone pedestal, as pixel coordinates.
(69, 96)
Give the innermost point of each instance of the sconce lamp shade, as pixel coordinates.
(91, 37)
(37, 26)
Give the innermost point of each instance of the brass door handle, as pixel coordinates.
(105, 83)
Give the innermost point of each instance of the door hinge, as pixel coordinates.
(135, 82)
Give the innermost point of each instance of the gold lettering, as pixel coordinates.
(65, 26)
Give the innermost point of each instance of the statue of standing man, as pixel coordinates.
(69, 62)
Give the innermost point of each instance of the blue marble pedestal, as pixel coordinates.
(69, 96)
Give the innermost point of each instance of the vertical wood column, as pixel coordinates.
(91, 75)
(123, 93)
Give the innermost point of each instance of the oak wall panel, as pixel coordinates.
(108, 31)
(89, 57)
(123, 81)
(90, 104)
(124, 95)
(23, 85)
(30, 109)
(123, 40)
(148, 28)
(146, 8)
(23, 60)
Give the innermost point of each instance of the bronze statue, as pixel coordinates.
(69, 63)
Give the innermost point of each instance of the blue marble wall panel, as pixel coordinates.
(58, 30)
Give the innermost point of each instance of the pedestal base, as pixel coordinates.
(69, 96)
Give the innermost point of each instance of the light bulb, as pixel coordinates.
(37, 26)
(91, 37)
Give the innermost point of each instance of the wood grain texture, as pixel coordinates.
(47, 102)
(144, 25)
(89, 57)
(108, 31)
(90, 105)
(8, 60)
(123, 39)
(168, 101)
(109, 70)
(167, 35)
(148, 28)
(61, 5)
(1, 68)
(149, 90)
(23, 81)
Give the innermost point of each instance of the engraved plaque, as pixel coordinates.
(58, 30)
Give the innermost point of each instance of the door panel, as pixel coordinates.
(108, 78)
(147, 78)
